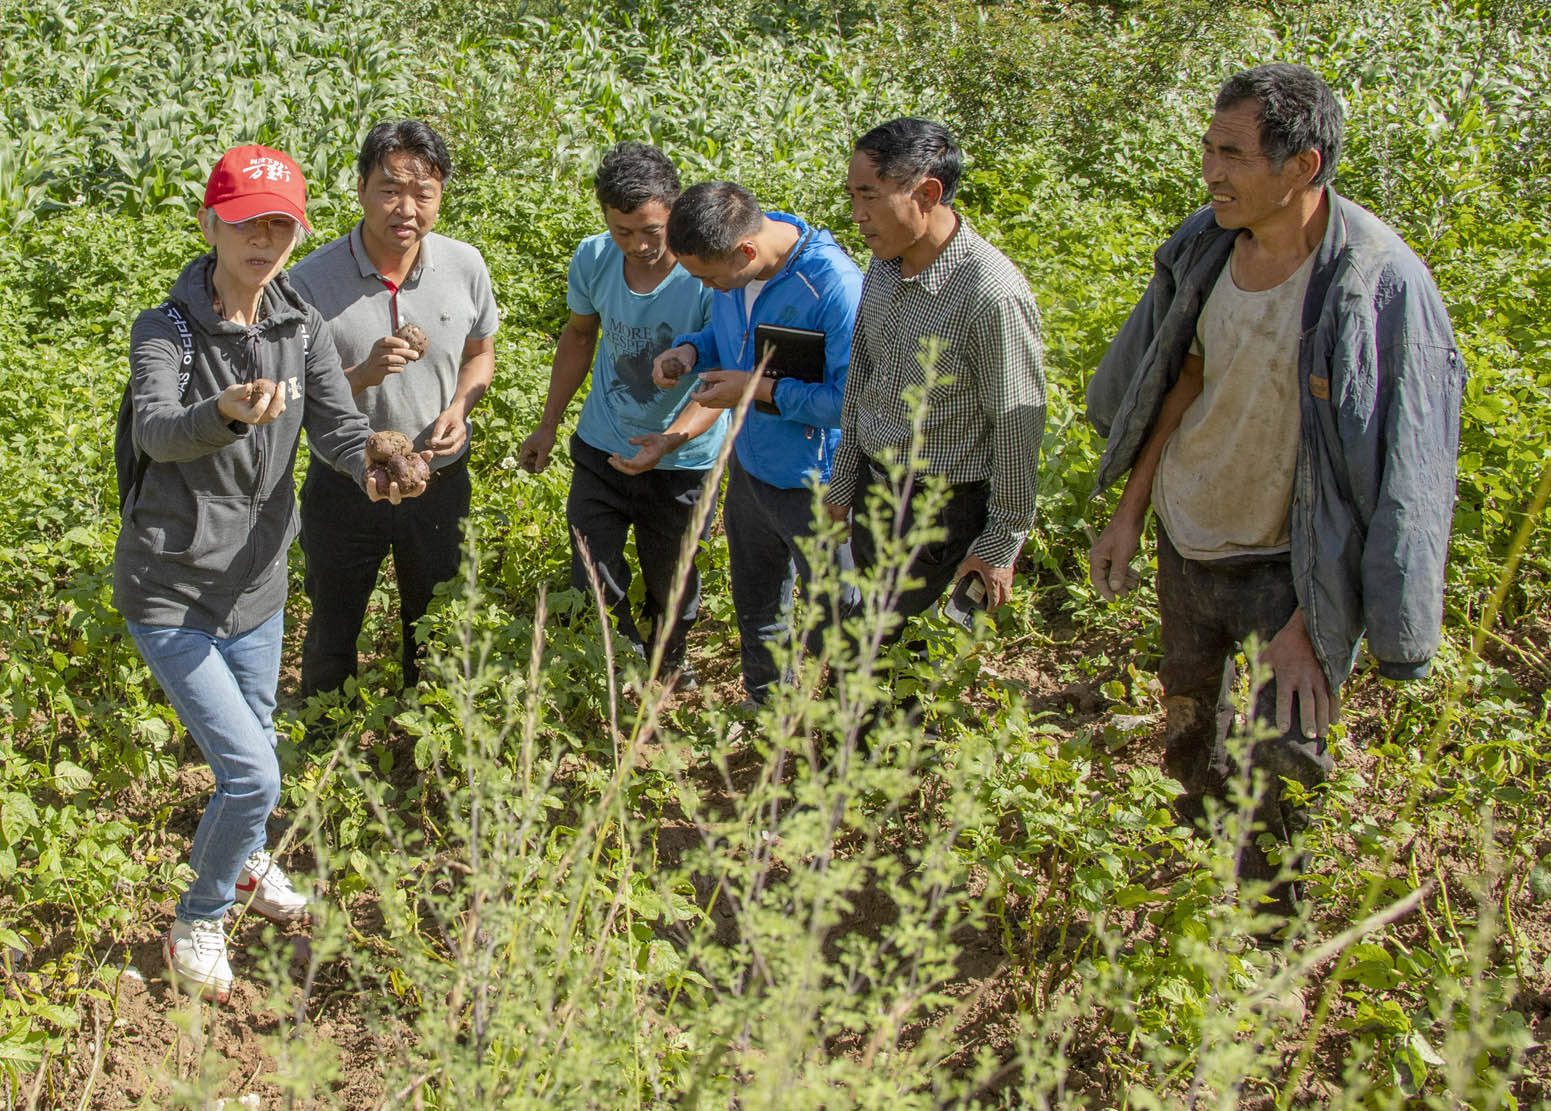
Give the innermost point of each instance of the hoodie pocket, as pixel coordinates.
(220, 532)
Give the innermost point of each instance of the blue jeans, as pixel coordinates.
(763, 524)
(224, 693)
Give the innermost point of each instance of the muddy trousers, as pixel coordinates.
(1208, 609)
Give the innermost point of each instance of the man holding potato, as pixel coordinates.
(414, 319)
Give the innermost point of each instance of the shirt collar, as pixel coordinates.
(364, 261)
(955, 251)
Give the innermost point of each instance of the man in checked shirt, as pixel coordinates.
(933, 279)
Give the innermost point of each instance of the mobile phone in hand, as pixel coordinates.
(968, 598)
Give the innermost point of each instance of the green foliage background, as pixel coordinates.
(551, 897)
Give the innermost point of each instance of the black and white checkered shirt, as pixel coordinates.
(984, 423)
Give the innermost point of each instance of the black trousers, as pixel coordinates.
(603, 506)
(1207, 610)
(764, 524)
(346, 536)
(962, 519)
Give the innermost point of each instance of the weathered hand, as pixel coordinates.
(840, 514)
(448, 434)
(653, 447)
(1290, 655)
(673, 364)
(1109, 560)
(998, 580)
(533, 456)
(720, 389)
(387, 356)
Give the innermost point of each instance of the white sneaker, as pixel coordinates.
(196, 954)
(266, 890)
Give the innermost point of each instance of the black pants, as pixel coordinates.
(764, 525)
(603, 506)
(346, 535)
(962, 519)
(1207, 610)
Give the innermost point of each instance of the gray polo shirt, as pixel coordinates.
(448, 294)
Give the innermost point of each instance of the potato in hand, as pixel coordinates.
(391, 457)
(258, 389)
(382, 446)
(415, 336)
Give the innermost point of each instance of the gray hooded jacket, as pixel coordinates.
(1380, 388)
(203, 541)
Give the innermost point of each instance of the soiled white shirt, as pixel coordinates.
(1224, 484)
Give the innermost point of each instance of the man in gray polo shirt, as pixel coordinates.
(389, 272)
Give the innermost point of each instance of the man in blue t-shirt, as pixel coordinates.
(770, 269)
(641, 454)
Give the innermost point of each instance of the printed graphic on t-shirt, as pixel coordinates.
(634, 350)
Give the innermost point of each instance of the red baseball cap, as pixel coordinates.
(257, 181)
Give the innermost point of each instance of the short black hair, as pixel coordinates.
(909, 149)
(407, 136)
(1298, 112)
(632, 174)
(712, 218)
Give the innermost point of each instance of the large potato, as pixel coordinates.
(391, 457)
(415, 336)
(383, 446)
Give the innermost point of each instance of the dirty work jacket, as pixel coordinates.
(1380, 382)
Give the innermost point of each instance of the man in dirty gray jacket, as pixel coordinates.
(1286, 398)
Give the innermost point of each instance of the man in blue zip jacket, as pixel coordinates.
(1286, 397)
(766, 268)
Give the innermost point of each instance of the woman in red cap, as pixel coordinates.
(224, 375)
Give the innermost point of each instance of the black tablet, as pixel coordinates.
(798, 352)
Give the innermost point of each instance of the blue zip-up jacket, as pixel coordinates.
(818, 289)
(1380, 387)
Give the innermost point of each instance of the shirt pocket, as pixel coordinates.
(219, 531)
